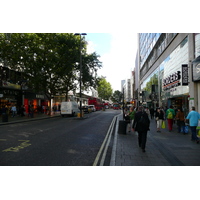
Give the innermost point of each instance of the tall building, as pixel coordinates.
(168, 69)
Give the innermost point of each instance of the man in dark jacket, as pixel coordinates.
(140, 127)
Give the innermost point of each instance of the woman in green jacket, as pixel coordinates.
(132, 116)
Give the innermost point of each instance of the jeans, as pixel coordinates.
(194, 133)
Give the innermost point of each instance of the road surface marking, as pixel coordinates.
(21, 146)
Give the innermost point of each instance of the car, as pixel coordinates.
(92, 107)
(86, 109)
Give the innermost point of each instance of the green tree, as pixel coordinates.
(104, 89)
(117, 96)
(91, 64)
(48, 61)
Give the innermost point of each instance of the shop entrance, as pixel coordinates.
(180, 102)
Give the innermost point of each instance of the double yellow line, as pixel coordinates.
(105, 144)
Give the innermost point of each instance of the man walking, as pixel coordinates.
(170, 114)
(152, 112)
(141, 125)
(193, 117)
(13, 110)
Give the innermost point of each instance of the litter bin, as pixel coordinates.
(122, 127)
(4, 117)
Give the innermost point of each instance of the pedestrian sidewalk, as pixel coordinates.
(162, 148)
(19, 119)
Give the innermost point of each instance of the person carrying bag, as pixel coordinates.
(159, 119)
(180, 121)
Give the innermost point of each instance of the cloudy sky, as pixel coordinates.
(117, 52)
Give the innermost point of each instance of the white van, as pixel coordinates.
(69, 108)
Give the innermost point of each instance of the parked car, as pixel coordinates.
(86, 109)
(92, 107)
(69, 108)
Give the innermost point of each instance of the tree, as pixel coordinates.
(117, 96)
(48, 61)
(104, 88)
(91, 64)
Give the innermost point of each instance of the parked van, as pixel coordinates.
(69, 108)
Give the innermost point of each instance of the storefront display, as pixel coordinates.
(168, 84)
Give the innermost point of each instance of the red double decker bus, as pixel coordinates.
(116, 106)
(96, 102)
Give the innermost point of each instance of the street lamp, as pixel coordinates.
(80, 34)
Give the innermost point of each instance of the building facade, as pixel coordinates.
(168, 70)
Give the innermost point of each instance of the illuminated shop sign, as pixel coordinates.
(172, 80)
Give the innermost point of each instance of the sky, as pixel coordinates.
(117, 53)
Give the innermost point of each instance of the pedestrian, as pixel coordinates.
(147, 111)
(22, 111)
(32, 110)
(159, 119)
(152, 112)
(13, 110)
(193, 118)
(170, 114)
(180, 118)
(141, 125)
(131, 115)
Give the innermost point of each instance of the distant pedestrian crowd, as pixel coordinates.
(138, 119)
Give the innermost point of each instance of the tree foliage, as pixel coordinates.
(117, 96)
(48, 61)
(104, 89)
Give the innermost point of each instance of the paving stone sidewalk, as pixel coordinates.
(162, 149)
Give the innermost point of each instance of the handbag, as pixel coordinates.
(163, 124)
(186, 129)
(198, 133)
(157, 118)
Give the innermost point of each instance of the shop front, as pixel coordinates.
(10, 94)
(38, 101)
(168, 84)
(173, 73)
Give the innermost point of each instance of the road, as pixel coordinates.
(56, 141)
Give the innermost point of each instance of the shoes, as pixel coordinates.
(197, 141)
(143, 150)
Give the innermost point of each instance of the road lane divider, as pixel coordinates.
(104, 147)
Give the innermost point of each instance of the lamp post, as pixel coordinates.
(80, 34)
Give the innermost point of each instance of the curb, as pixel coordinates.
(28, 120)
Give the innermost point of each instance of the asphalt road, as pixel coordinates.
(56, 141)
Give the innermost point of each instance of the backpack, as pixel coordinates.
(170, 115)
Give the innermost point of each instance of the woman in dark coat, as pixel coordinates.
(140, 127)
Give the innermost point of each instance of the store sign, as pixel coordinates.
(7, 84)
(10, 92)
(184, 74)
(39, 96)
(172, 80)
